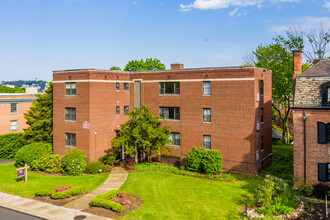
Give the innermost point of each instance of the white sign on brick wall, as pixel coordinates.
(86, 125)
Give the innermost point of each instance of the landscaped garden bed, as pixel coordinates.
(114, 204)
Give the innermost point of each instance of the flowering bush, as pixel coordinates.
(62, 188)
(121, 194)
(116, 199)
(74, 162)
(126, 202)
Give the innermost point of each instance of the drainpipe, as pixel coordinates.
(304, 119)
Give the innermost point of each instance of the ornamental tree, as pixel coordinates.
(148, 64)
(142, 133)
(40, 118)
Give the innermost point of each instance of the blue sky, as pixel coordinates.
(39, 36)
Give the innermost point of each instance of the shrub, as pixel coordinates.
(108, 195)
(74, 191)
(51, 163)
(320, 190)
(108, 159)
(275, 197)
(63, 188)
(95, 166)
(202, 160)
(10, 144)
(107, 204)
(211, 162)
(194, 159)
(44, 192)
(74, 162)
(31, 152)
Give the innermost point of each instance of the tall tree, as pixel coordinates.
(148, 64)
(142, 133)
(40, 118)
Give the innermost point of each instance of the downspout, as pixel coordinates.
(304, 119)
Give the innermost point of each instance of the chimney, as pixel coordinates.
(177, 66)
(315, 61)
(297, 63)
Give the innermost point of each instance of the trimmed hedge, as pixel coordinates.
(51, 163)
(10, 144)
(95, 166)
(74, 162)
(103, 200)
(108, 159)
(44, 192)
(31, 152)
(74, 191)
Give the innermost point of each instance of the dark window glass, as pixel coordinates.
(206, 114)
(262, 142)
(70, 139)
(261, 115)
(175, 138)
(169, 88)
(206, 88)
(117, 133)
(169, 113)
(261, 87)
(117, 110)
(126, 86)
(328, 132)
(126, 109)
(117, 86)
(70, 88)
(207, 141)
(70, 114)
(328, 94)
(322, 133)
(13, 107)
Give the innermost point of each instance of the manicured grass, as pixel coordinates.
(282, 165)
(170, 196)
(10, 184)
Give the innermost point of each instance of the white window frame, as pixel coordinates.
(207, 91)
(13, 127)
(206, 117)
(206, 141)
(174, 137)
(69, 88)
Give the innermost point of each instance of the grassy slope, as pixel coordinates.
(9, 183)
(170, 196)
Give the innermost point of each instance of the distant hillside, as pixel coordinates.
(4, 89)
(20, 83)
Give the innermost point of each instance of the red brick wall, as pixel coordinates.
(316, 153)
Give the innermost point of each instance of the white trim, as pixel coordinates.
(156, 81)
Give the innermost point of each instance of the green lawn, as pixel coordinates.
(170, 196)
(9, 183)
(282, 165)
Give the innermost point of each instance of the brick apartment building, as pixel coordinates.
(12, 107)
(228, 109)
(311, 121)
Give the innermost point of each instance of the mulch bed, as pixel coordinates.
(58, 202)
(314, 211)
(111, 214)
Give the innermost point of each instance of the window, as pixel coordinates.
(262, 142)
(126, 86)
(206, 115)
(117, 86)
(261, 115)
(117, 133)
(207, 141)
(169, 88)
(126, 109)
(206, 88)
(324, 172)
(13, 125)
(261, 87)
(70, 114)
(117, 110)
(70, 139)
(70, 88)
(169, 113)
(323, 133)
(13, 107)
(325, 91)
(175, 138)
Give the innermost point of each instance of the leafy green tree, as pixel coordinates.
(277, 58)
(115, 68)
(148, 64)
(40, 118)
(5, 89)
(142, 133)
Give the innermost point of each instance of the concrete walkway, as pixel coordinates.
(116, 179)
(6, 161)
(44, 210)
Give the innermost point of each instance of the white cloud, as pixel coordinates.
(327, 4)
(304, 24)
(217, 4)
(134, 2)
(233, 12)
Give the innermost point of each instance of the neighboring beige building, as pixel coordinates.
(12, 107)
